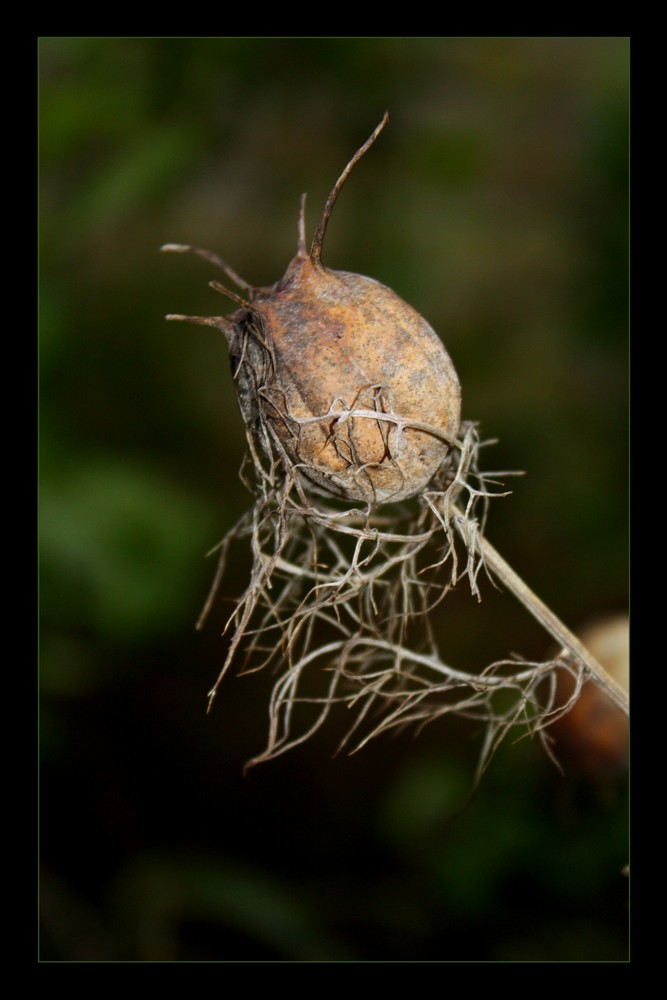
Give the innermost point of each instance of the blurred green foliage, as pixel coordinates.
(496, 204)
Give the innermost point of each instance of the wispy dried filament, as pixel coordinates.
(333, 594)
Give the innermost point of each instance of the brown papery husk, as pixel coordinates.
(352, 375)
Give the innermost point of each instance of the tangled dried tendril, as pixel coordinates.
(334, 589)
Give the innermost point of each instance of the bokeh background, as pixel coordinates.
(495, 203)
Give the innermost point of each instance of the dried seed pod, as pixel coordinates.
(345, 389)
(338, 376)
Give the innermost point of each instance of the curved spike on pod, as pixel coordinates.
(212, 258)
(229, 294)
(318, 239)
(218, 322)
(301, 249)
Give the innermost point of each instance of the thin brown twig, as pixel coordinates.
(545, 616)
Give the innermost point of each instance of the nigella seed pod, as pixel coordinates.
(338, 377)
(349, 398)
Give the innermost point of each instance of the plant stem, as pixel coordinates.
(548, 619)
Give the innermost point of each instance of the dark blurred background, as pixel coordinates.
(496, 204)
